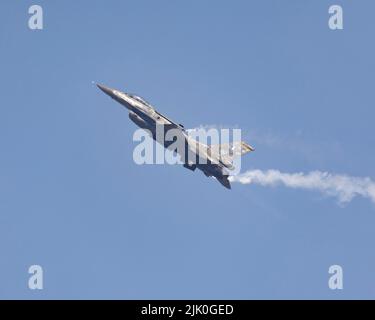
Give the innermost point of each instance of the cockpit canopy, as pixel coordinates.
(138, 98)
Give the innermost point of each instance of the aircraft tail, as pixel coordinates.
(226, 152)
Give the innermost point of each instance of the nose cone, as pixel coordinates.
(106, 90)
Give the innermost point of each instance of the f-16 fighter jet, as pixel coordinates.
(213, 160)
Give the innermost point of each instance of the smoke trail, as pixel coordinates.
(344, 187)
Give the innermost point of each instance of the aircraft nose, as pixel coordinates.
(106, 90)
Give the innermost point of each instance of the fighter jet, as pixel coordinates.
(213, 161)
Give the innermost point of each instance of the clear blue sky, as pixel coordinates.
(73, 201)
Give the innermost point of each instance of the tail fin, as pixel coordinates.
(226, 152)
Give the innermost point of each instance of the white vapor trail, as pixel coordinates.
(344, 187)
